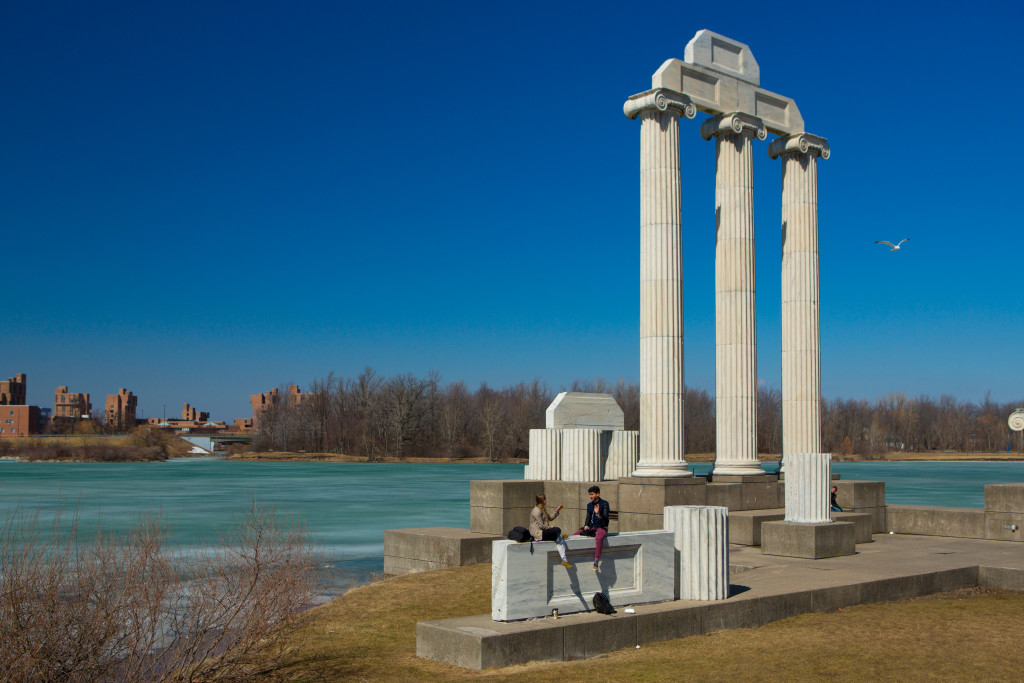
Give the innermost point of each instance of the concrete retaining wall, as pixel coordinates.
(478, 642)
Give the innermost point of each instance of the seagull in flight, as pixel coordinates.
(895, 247)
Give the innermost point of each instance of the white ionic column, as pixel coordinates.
(735, 293)
(702, 541)
(808, 484)
(623, 454)
(581, 454)
(661, 284)
(545, 455)
(801, 322)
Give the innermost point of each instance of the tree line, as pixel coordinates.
(409, 417)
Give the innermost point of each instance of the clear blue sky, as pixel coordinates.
(203, 200)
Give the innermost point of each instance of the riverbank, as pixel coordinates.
(895, 456)
(288, 456)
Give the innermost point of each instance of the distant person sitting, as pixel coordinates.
(835, 505)
(596, 524)
(540, 530)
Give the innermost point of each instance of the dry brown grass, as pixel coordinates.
(370, 634)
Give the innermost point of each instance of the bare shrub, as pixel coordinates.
(122, 608)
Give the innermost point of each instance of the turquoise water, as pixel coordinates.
(347, 506)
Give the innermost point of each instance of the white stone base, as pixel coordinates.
(528, 580)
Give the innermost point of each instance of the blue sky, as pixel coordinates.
(200, 201)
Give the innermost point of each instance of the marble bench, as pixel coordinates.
(528, 579)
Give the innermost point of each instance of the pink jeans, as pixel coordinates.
(599, 537)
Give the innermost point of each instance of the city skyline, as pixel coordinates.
(202, 203)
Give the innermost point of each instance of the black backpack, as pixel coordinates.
(520, 534)
(602, 604)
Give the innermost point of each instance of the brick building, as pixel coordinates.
(190, 413)
(120, 410)
(19, 420)
(260, 402)
(70, 406)
(14, 390)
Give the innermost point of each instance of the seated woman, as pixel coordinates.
(541, 531)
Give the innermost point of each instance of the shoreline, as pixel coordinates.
(279, 456)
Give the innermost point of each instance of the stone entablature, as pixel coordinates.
(719, 76)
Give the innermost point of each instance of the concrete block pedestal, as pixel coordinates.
(811, 540)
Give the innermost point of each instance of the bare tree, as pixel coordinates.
(455, 416)
(121, 608)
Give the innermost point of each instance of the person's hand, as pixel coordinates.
(559, 508)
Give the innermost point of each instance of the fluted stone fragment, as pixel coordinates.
(801, 323)
(808, 484)
(623, 453)
(545, 457)
(735, 294)
(702, 540)
(581, 454)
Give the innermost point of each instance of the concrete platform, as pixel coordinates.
(815, 541)
(769, 588)
(407, 551)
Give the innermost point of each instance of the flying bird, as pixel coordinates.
(895, 247)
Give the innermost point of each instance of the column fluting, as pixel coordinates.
(808, 484)
(735, 294)
(801, 322)
(661, 284)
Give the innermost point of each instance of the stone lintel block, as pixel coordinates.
(725, 495)
(497, 521)
(745, 525)
(527, 580)
(934, 521)
(860, 494)
(862, 523)
(759, 496)
(1005, 578)
(1004, 526)
(580, 410)
(742, 478)
(447, 546)
(812, 541)
(639, 521)
(504, 493)
(1004, 497)
(651, 495)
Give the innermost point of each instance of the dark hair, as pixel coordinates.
(594, 489)
(541, 498)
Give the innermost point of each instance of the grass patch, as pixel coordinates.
(370, 634)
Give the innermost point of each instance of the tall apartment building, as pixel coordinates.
(19, 420)
(190, 413)
(260, 402)
(14, 390)
(72, 406)
(120, 410)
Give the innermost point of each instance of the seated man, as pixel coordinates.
(596, 524)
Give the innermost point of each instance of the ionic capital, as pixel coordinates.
(660, 100)
(800, 143)
(738, 123)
